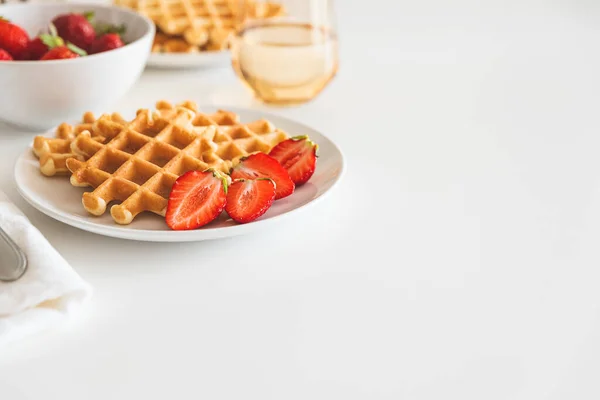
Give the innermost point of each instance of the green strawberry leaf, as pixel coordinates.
(299, 137)
(53, 30)
(4, 19)
(76, 49)
(221, 176)
(51, 41)
(102, 29)
(89, 15)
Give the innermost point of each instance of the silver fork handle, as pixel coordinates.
(13, 262)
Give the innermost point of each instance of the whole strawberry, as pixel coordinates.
(13, 39)
(59, 53)
(36, 49)
(76, 29)
(4, 56)
(109, 41)
(57, 49)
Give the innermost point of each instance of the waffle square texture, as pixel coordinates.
(53, 152)
(140, 160)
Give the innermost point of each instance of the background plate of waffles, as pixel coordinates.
(197, 33)
(132, 161)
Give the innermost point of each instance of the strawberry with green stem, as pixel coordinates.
(58, 50)
(261, 165)
(106, 42)
(298, 156)
(108, 37)
(76, 28)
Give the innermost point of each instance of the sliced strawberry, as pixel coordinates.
(196, 199)
(4, 56)
(261, 165)
(249, 199)
(298, 156)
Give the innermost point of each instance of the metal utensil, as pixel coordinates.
(13, 262)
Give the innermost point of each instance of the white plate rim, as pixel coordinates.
(117, 231)
(190, 60)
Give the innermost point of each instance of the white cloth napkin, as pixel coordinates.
(49, 293)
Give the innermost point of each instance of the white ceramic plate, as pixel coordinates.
(193, 60)
(56, 197)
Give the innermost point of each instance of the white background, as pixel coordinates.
(458, 259)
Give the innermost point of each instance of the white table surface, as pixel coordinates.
(458, 259)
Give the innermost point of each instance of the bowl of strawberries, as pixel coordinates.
(58, 61)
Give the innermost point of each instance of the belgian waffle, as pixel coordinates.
(202, 24)
(54, 152)
(141, 159)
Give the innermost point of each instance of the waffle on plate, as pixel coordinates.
(135, 163)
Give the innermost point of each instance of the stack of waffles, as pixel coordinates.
(135, 163)
(190, 26)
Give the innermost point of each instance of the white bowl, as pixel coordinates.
(41, 94)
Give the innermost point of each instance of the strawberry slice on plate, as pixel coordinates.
(298, 156)
(196, 199)
(261, 165)
(247, 200)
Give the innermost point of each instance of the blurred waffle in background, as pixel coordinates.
(191, 26)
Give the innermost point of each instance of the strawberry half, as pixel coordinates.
(298, 156)
(249, 199)
(196, 199)
(261, 165)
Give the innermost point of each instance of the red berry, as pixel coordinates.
(109, 41)
(249, 199)
(76, 29)
(59, 53)
(261, 165)
(196, 199)
(298, 156)
(13, 39)
(4, 56)
(36, 49)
